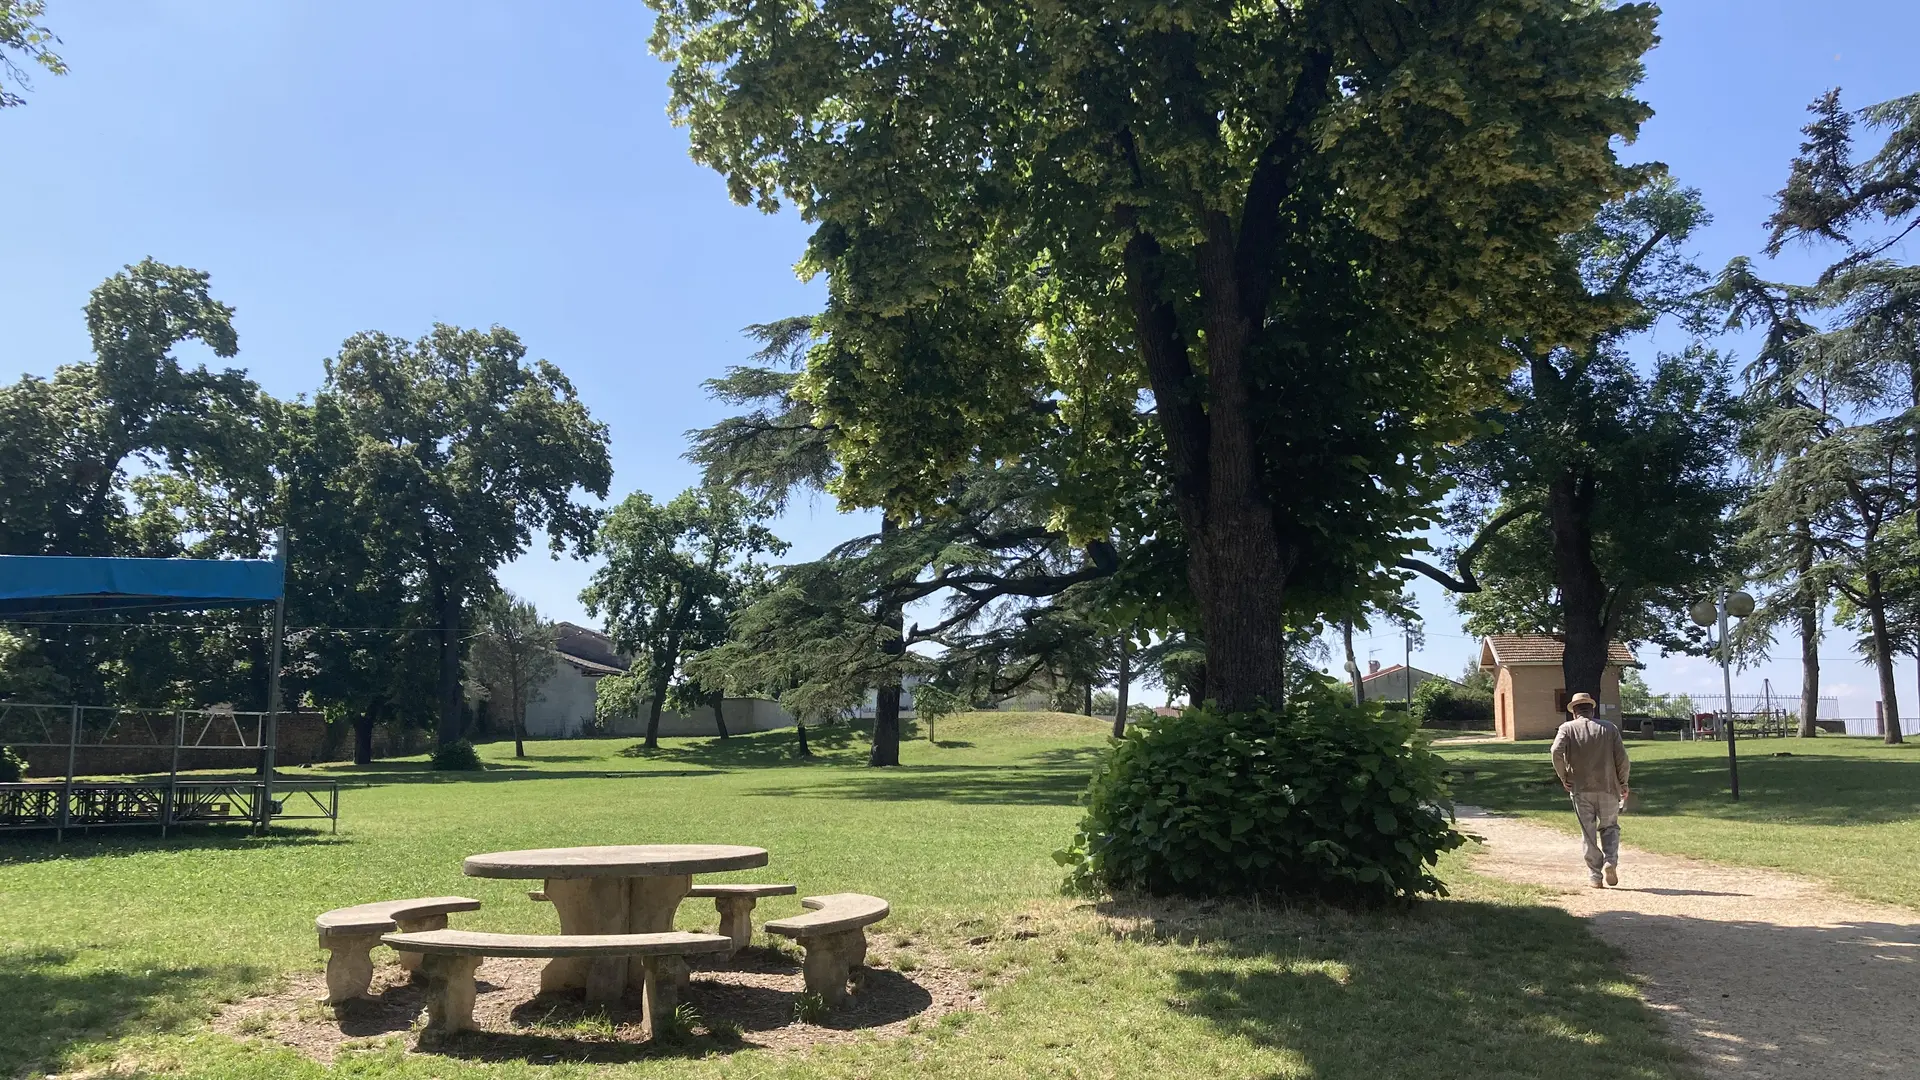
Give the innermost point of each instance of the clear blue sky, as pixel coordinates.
(344, 166)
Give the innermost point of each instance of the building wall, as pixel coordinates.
(563, 706)
(1503, 704)
(1536, 702)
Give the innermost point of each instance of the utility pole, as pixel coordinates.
(1406, 667)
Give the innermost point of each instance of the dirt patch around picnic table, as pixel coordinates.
(1761, 974)
(746, 1003)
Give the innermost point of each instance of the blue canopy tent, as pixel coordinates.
(55, 588)
(41, 585)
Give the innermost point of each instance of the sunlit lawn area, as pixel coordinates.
(117, 949)
(1846, 810)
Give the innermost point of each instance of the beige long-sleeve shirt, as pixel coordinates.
(1591, 756)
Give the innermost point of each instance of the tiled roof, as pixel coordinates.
(1395, 672)
(589, 650)
(1523, 649)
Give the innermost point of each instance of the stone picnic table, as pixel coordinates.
(622, 889)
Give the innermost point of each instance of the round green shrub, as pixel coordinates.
(1329, 800)
(456, 757)
(13, 768)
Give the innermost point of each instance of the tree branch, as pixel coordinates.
(1466, 582)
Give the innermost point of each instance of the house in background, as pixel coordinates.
(562, 708)
(1529, 690)
(1395, 683)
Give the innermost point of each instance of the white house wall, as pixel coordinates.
(563, 706)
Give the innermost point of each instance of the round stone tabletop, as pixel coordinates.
(626, 860)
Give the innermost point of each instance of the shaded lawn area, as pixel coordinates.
(1845, 810)
(117, 948)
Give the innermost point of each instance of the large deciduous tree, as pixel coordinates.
(69, 444)
(674, 572)
(1599, 494)
(461, 451)
(1290, 226)
(24, 35)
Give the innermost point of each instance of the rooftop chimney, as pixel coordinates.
(1373, 667)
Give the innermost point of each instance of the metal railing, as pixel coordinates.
(100, 732)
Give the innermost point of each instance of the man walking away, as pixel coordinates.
(1591, 758)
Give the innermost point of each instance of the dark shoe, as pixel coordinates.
(1613, 875)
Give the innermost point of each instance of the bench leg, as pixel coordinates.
(736, 919)
(410, 961)
(450, 992)
(830, 961)
(659, 989)
(349, 966)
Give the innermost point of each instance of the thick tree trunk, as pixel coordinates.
(719, 712)
(1583, 595)
(1883, 655)
(363, 734)
(519, 729)
(662, 675)
(801, 726)
(885, 750)
(1353, 664)
(1809, 610)
(1235, 562)
(447, 732)
(1124, 675)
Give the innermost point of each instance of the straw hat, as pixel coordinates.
(1579, 699)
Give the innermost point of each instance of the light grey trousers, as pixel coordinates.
(1599, 815)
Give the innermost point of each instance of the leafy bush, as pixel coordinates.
(1438, 703)
(456, 757)
(13, 768)
(1329, 799)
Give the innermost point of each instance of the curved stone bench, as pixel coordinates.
(452, 956)
(834, 933)
(735, 903)
(350, 933)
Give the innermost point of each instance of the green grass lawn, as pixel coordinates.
(115, 950)
(1846, 810)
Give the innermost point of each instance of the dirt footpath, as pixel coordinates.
(1761, 974)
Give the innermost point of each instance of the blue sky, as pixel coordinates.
(345, 166)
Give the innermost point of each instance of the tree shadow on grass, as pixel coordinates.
(1496, 989)
(946, 783)
(1808, 788)
(840, 743)
(414, 772)
(47, 1009)
(40, 846)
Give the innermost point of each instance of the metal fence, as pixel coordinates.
(60, 737)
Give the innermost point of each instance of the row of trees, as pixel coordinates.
(1606, 497)
(1181, 331)
(416, 470)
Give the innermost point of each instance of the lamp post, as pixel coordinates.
(1708, 613)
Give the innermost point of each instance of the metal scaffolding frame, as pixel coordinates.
(165, 801)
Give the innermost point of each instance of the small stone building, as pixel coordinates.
(1529, 689)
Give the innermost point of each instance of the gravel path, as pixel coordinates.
(1761, 974)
